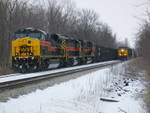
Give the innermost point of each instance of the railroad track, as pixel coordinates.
(17, 80)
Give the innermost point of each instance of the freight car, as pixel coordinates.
(35, 50)
(105, 54)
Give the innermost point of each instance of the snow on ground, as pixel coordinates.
(82, 95)
(19, 76)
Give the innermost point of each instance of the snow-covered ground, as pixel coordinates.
(84, 95)
(19, 76)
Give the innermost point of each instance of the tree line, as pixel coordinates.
(143, 34)
(143, 41)
(143, 46)
(54, 16)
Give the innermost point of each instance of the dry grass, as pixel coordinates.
(144, 64)
(147, 99)
(4, 71)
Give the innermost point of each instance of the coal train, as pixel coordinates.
(35, 50)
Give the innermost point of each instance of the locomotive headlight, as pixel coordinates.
(16, 54)
(24, 41)
(122, 50)
(29, 42)
(31, 54)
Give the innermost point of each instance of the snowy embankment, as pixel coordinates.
(86, 94)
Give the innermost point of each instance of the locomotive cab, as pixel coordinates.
(26, 48)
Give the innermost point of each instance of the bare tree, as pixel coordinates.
(54, 17)
(143, 40)
(86, 24)
(106, 37)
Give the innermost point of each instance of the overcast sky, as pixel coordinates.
(120, 15)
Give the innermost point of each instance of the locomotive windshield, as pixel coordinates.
(31, 35)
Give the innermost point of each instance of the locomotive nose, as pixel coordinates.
(25, 47)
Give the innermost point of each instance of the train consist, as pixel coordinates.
(35, 50)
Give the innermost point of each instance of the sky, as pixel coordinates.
(121, 15)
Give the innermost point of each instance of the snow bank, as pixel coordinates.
(82, 95)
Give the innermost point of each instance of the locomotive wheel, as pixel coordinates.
(93, 60)
(33, 68)
(84, 61)
(62, 63)
(70, 62)
(45, 65)
(24, 69)
(81, 61)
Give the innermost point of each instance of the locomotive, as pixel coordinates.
(35, 50)
(124, 53)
